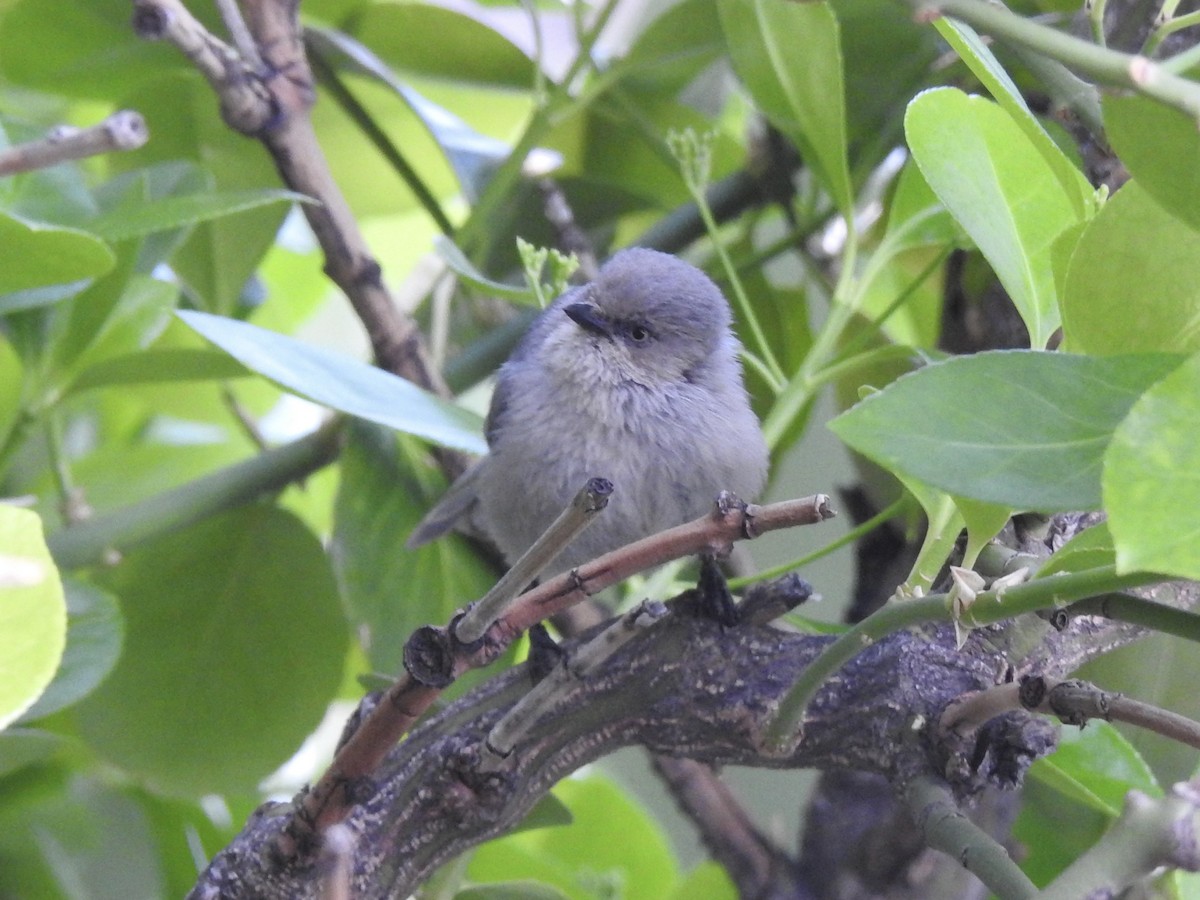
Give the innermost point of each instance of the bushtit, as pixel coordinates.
(634, 378)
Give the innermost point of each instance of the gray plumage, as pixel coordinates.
(634, 378)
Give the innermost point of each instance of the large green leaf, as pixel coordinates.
(1023, 429)
(1133, 282)
(789, 57)
(1161, 147)
(33, 612)
(199, 702)
(342, 383)
(1000, 188)
(1152, 478)
(388, 589)
(37, 255)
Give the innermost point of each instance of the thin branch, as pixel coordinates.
(434, 659)
(272, 101)
(947, 829)
(581, 512)
(239, 33)
(1138, 611)
(123, 130)
(756, 866)
(1151, 833)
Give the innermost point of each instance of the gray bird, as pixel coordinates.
(634, 377)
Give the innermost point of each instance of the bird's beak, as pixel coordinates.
(589, 318)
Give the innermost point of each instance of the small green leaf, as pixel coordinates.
(1161, 147)
(1090, 549)
(1022, 429)
(463, 268)
(1152, 478)
(38, 255)
(342, 383)
(168, 213)
(549, 812)
(983, 521)
(33, 613)
(789, 57)
(192, 706)
(95, 632)
(1132, 280)
(1001, 190)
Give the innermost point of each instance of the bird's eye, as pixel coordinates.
(639, 333)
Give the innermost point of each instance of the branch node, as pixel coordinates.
(429, 657)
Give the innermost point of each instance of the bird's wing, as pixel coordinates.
(456, 505)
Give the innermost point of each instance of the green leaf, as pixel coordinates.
(473, 156)
(790, 59)
(709, 880)
(38, 255)
(1001, 190)
(196, 704)
(139, 315)
(342, 383)
(583, 860)
(389, 590)
(219, 256)
(443, 43)
(1023, 429)
(1090, 549)
(466, 271)
(168, 364)
(78, 48)
(95, 632)
(1096, 766)
(1161, 148)
(549, 812)
(33, 613)
(1152, 478)
(20, 747)
(984, 65)
(1132, 280)
(983, 522)
(674, 49)
(170, 212)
